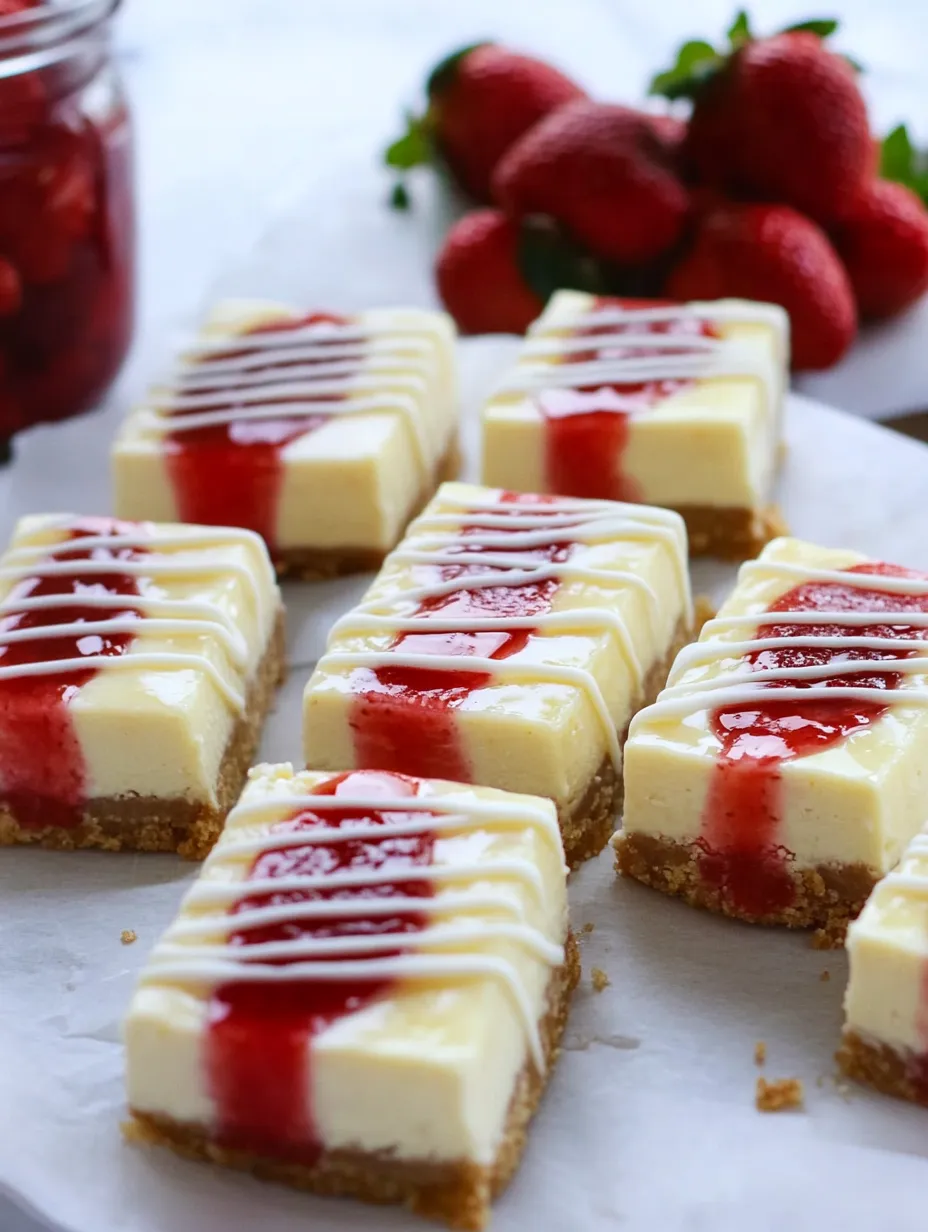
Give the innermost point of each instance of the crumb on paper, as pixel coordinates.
(825, 976)
(599, 979)
(128, 935)
(831, 937)
(760, 1052)
(778, 1095)
(588, 927)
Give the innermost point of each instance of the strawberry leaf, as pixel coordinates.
(854, 64)
(822, 26)
(696, 62)
(903, 162)
(399, 196)
(740, 30)
(413, 148)
(548, 261)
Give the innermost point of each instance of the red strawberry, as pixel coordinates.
(481, 100)
(772, 253)
(605, 173)
(778, 119)
(884, 245)
(479, 279)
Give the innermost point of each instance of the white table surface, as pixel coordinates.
(244, 105)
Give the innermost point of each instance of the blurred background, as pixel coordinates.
(247, 110)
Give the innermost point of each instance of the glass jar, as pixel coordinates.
(66, 211)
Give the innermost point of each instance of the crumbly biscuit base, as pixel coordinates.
(587, 827)
(882, 1067)
(827, 896)
(731, 534)
(309, 564)
(457, 1192)
(152, 823)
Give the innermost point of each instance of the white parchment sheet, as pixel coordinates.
(649, 1122)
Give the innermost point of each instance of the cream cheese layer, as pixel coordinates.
(677, 405)
(337, 425)
(399, 934)
(507, 640)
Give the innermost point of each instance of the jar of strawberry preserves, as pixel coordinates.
(66, 211)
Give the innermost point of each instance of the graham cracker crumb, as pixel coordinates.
(778, 1095)
(588, 927)
(760, 1052)
(128, 935)
(599, 979)
(825, 976)
(831, 936)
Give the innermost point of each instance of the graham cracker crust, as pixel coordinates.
(587, 828)
(318, 564)
(882, 1067)
(731, 534)
(456, 1192)
(827, 897)
(152, 823)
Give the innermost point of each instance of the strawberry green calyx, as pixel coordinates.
(418, 145)
(698, 62)
(550, 261)
(903, 163)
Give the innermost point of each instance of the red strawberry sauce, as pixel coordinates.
(230, 474)
(259, 1046)
(43, 778)
(404, 719)
(742, 854)
(587, 429)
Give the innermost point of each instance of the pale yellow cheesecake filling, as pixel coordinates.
(425, 1071)
(858, 800)
(351, 481)
(156, 720)
(548, 716)
(711, 444)
(887, 994)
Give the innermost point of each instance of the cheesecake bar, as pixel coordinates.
(137, 664)
(508, 641)
(364, 992)
(678, 405)
(780, 774)
(885, 1042)
(323, 433)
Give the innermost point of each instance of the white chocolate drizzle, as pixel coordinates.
(586, 523)
(196, 950)
(139, 616)
(322, 370)
(741, 684)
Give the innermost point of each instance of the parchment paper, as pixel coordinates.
(649, 1121)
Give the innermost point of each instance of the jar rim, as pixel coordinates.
(42, 30)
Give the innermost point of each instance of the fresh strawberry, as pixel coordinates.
(479, 279)
(774, 254)
(605, 173)
(481, 100)
(777, 119)
(884, 246)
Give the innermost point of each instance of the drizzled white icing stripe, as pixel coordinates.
(753, 686)
(282, 389)
(537, 673)
(181, 618)
(195, 950)
(550, 345)
(321, 334)
(720, 310)
(244, 371)
(134, 661)
(141, 625)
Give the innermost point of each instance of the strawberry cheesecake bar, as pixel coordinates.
(677, 405)
(885, 1041)
(508, 641)
(363, 993)
(137, 664)
(780, 774)
(323, 433)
